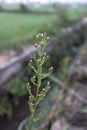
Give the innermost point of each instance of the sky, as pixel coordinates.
(45, 1)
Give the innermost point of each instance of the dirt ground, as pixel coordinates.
(19, 113)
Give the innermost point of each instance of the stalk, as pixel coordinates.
(39, 60)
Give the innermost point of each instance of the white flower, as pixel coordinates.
(39, 60)
(47, 38)
(40, 113)
(43, 89)
(28, 84)
(42, 34)
(42, 42)
(33, 77)
(30, 97)
(30, 60)
(37, 36)
(48, 83)
(44, 53)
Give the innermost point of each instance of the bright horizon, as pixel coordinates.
(45, 1)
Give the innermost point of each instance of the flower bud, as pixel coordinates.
(44, 53)
(37, 36)
(47, 38)
(48, 83)
(33, 77)
(30, 60)
(42, 34)
(43, 89)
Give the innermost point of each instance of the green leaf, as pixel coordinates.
(40, 116)
(30, 93)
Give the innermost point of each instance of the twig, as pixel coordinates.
(53, 110)
(59, 97)
(70, 91)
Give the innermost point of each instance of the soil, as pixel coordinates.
(19, 113)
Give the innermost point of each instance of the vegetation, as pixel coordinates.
(66, 16)
(20, 28)
(5, 105)
(34, 100)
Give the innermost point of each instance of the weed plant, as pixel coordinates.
(36, 80)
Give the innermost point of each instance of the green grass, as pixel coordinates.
(19, 28)
(77, 13)
(48, 8)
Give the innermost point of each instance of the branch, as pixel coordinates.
(70, 91)
(57, 103)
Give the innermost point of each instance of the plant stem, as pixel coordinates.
(37, 91)
(34, 100)
(31, 122)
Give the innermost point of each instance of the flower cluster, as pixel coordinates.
(42, 41)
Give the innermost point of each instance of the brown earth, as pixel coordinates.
(19, 113)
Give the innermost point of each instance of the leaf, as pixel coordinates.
(29, 90)
(43, 93)
(40, 116)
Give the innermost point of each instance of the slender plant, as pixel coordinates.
(36, 80)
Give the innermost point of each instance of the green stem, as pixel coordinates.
(32, 121)
(42, 39)
(35, 106)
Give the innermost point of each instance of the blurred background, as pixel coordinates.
(65, 22)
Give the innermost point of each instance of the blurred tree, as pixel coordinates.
(23, 5)
(62, 18)
(1, 5)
